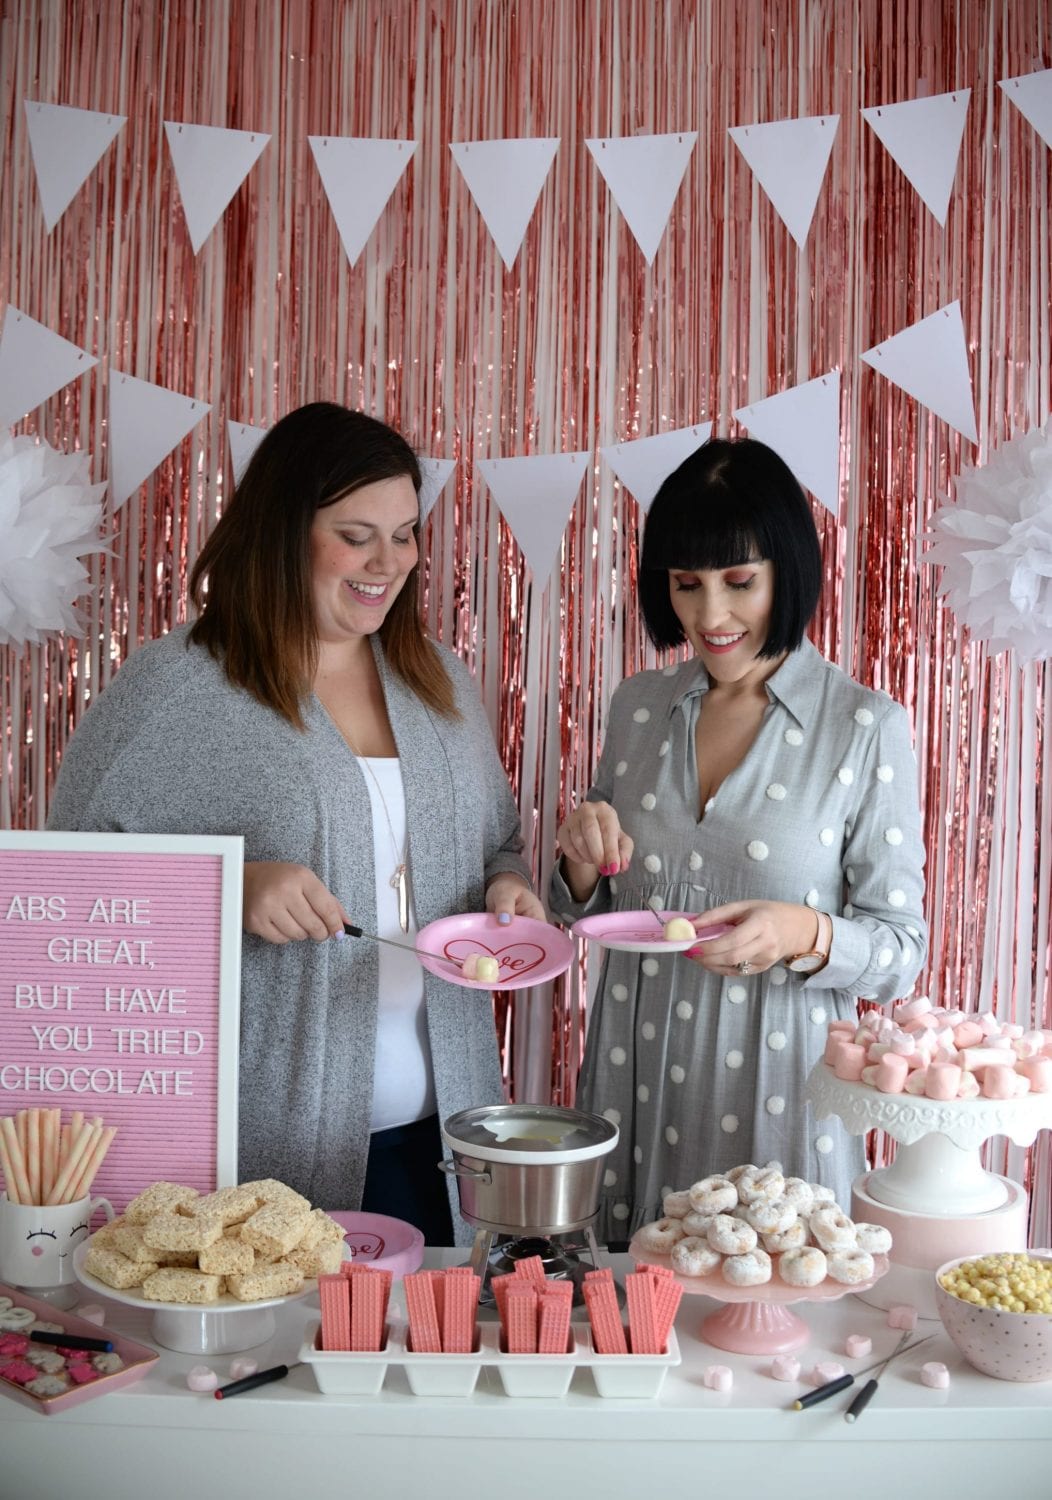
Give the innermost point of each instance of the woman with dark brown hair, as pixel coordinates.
(307, 710)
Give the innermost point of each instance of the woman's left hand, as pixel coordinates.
(507, 896)
(762, 934)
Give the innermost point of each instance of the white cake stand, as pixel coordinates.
(937, 1169)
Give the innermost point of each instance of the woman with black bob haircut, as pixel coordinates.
(762, 792)
(307, 710)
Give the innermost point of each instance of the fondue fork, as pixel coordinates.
(352, 931)
(834, 1387)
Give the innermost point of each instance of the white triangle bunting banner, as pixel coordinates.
(434, 475)
(359, 174)
(210, 165)
(929, 360)
(802, 425)
(242, 441)
(146, 423)
(505, 179)
(1032, 96)
(923, 136)
(536, 495)
(34, 364)
(789, 159)
(644, 173)
(643, 464)
(66, 145)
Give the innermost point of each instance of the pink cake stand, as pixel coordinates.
(756, 1319)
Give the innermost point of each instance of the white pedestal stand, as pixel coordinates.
(936, 1198)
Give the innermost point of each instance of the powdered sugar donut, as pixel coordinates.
(766, 1184)
(799, 1193)
(735, 1174)
(849, 1267)
(792, 1238)
(713, 1195)
(731, 1236)
(832, 1228)
(660, 1236)
(751, 1269)
(873, 1237)
(804, 1267)
(695, 1223)
(821, 1196)
(692, 1256)
(770, 1215)
(675, 1205)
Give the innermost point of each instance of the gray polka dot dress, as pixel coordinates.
(702, 1072)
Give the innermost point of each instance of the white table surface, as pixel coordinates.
(158, 1440)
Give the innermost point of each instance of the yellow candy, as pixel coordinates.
(1011, 1282)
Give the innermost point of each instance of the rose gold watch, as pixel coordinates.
(814, 959)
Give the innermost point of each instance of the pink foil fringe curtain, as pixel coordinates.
(579, 344)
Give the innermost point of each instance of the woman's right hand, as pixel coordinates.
(593, 843)
(286, 903)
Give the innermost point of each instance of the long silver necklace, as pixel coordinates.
(399, 878)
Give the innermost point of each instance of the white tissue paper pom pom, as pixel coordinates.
(49, 518)
(995, 547)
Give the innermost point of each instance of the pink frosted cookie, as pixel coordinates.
(935, 1375)
(20, 1371)
(12, 1345)
(785, 1367)
(81, 1374)
(718, 1377)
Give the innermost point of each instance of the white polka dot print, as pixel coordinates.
(776, 1040)
(896, 897)
(849, 910)
(775, 1104)
(609, 1179)
(778, 976)
(619, 1211)
(824, 1144)
(863, 717)
(613, 1115)
(812, 898)
(793, 737)
(884, 957)
(648, 802)
(648, 1031)
(621, 768)
(643, 1094)
(736, 993)
(734, 1059)
(613, 885)
(885, 773)
(684, 1009)
(619, 991)
(817, 1015)
(672, 1135)
(637, 1155)
(650, 967)
(676, 1073)
(641, 715)
(757, 850)
(729, 1123)
(893, 836)
(776, 792)
(849, 872)
(695, 861)
(652, 863)
(618, 1056)
(663, 749)
(913, 932)
(826, 836)
(845, 776)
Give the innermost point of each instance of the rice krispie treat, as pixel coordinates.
(172, 1231)
(105, 1234)
(180, 1284)
(321, 1230)
(270, 1190)
(233, 1205)
(276, 1228)
(320, 1260)
(276, 1280)
(229, 1256)
(129, 1241)
(159, 1197)
(115, 1269)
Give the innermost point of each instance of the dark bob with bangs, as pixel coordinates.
(730, 501)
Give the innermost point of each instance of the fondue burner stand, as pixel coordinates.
(497, 1254)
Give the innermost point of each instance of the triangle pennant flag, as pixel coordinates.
(643, 173)
(434, 474)
(505, 179)
(643, 464)
(146, 423)
(359, 175)
(789, 159)
(535, 496)
(924, 138)
(242, 440)
(66, 145)
(1032, 96)
(929, 360)
(802, 425)
(34, 364)
(210, 165)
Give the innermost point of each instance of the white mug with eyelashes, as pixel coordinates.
(37, 1244)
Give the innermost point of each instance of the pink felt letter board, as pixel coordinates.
(120, 964)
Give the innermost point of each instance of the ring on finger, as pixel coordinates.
(745, 967)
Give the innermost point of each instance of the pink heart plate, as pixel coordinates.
(640, 931)
(528, 951)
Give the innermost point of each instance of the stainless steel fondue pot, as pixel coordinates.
(533, 1168)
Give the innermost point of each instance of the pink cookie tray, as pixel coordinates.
(137, 1358)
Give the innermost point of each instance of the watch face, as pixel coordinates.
(806, 963)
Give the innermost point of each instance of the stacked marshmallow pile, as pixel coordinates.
(753, 1223)
(926, 1049)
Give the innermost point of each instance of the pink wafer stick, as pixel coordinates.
(499, 1286)
(438, 1291)
(532, 1266)
(667, 1296)
(602, 1273)
(423, 1319)
(458, 1315)
(366, 1303)
(608, 1335)
(642, 1332)
(522, 1316)
(553, 1331)
(334, 1295)
(385, 1278)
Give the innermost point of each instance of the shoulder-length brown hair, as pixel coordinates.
(256, 610)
